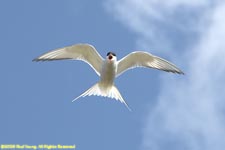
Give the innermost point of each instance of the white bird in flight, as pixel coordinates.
(109, 68)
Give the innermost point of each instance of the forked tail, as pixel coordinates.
(99, 90)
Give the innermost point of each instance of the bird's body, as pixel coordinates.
(108, 72)
(108, 69)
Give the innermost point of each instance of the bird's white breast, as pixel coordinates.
(108, 72)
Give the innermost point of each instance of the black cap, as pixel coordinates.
(111, 53)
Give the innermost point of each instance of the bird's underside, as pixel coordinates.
(108, 68)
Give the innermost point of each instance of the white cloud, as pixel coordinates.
(155, 20)
(191, 110)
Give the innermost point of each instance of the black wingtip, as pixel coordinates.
(181, 73)
(36, 60)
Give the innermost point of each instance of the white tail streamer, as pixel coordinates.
(100, 90)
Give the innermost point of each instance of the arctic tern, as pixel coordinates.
(109, 68)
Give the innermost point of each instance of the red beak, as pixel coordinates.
(110, 57)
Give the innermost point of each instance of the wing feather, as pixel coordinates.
(144, 59)
(84, 52)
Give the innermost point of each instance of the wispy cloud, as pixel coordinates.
(159, 22)
(191, 110)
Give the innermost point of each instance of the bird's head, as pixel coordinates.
(111, 56)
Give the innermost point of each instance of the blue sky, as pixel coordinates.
(169, 111)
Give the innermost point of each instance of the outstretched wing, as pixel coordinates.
(84, 52)
(144, 59)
